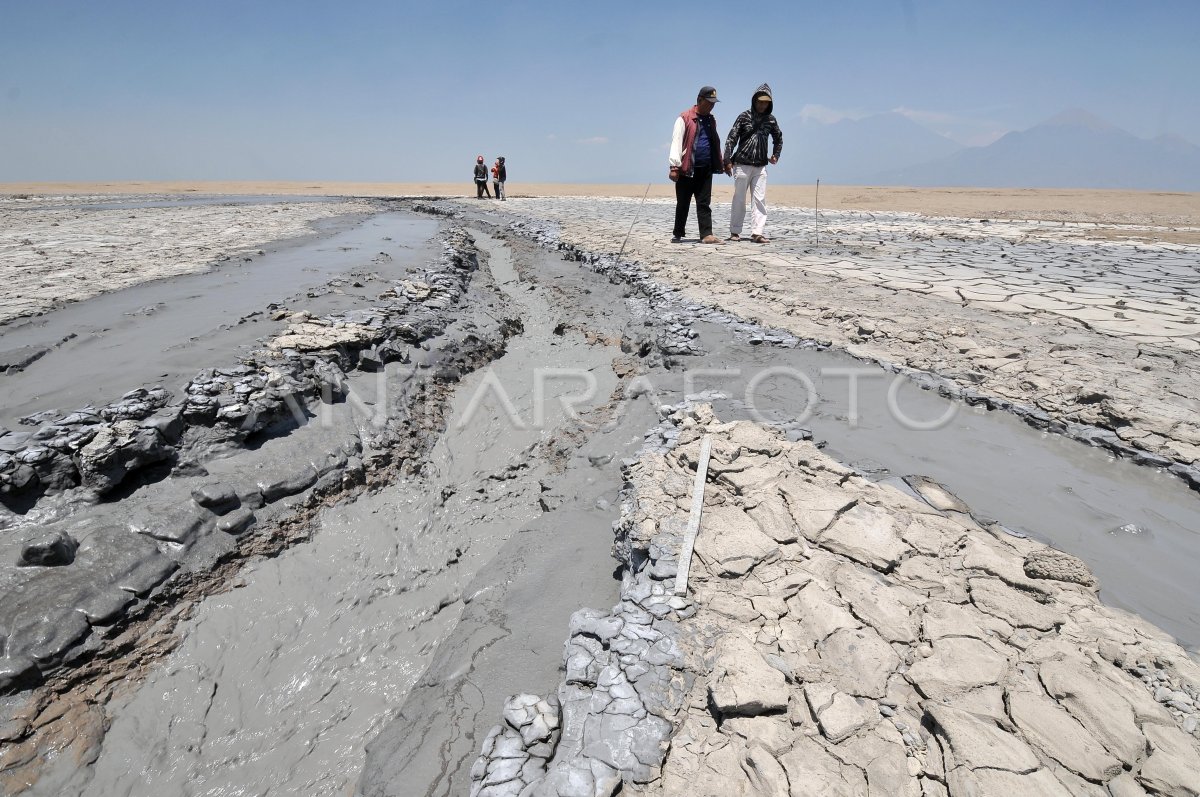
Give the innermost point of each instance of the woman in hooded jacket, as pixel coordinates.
(481, 178)
(746, 154)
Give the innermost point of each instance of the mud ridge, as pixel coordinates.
(131, 583)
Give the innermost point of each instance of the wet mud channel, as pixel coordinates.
(357, 628)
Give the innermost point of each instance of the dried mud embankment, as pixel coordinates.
(842, 637)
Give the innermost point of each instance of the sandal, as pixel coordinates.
(760, 239)
(734, 237)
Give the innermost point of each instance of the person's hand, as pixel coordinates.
(728, 168)
(674, 174)
(773, 160)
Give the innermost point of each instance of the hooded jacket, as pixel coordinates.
(747, 139)
(684, 136)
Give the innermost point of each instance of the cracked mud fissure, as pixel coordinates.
(408, 615)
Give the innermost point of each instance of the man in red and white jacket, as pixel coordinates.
(695, 154)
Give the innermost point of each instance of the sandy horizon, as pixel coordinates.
(1171, 209)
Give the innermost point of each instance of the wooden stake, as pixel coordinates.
(636, 216)
(816, 223)
(693, 528)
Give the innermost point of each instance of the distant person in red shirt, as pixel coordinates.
(499, 175)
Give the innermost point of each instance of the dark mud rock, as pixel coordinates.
(45, 633)
(117, 450)
(336, 461)
(447, 374)
(57, 473)
(241, 369)
(129, 561)
(200, 409)
(1151, 460)
(11, 442)
(16, 671)
(38, 418)
(328, 484)
(106, 606)
(168, 422)
(236, 521)
(291, 484)
(217, 498)
(370, 359)
(10, 445)
(49, 614)
(14, 360)
(178, 523)
(19, 478)
(516, 753)
(252, 497)
(392, 351)
(136, 405)
(51, 549)
(1189, 473)
(34, 467)
(84, 416)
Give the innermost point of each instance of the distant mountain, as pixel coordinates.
(1071, 150)
(853, 150)
(1178, 144)
(1077, 117)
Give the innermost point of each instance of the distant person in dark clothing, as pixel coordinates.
(746, 157)
(695, 154)
(499, 175)
(481, 176)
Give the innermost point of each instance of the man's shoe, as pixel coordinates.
(675, 239)
(760, 239)
(711, 239)
(734, 237)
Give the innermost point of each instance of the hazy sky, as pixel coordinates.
(396, 90)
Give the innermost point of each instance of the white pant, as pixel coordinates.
(754, 178)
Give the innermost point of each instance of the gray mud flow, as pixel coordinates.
(158, 331)
(509, 635)
(276, 683)
(1135, 526)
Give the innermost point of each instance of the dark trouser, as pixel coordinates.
(498, 187)
(699, 185)
(481, 189)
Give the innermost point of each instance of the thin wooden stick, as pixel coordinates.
(816, 223)
(693, 527)
(635, 219)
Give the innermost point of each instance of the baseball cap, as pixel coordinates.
(707, 93)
